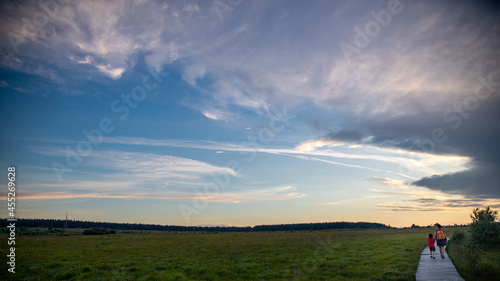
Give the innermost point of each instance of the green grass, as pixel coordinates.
(324, 255)
(487, 266)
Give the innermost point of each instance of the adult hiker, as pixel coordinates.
(440, 238)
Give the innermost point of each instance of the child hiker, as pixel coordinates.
(431, 246)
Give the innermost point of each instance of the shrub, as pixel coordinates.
(484, 230)
(98, 231)
(458, 236)
(466, 250)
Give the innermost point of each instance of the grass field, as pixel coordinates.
(473, 263)
(324, 255)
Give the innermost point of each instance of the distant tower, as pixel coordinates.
(66, 223)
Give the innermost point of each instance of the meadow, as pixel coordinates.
(474, 262)
(390, 254)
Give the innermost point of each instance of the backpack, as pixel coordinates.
(440, 234)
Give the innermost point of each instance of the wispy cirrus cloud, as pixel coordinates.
(393, 183)
(125, 175)
(312, 145)
(145, 164)
(310, 150)
(259, 195)
(114, 73)
(113, 34)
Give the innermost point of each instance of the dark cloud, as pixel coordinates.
(346, 136)
(481, 180)
(474, 133)
(434, 205)
(453, 203)
(477, 137)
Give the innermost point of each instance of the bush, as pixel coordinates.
(458, 237)
(466, 251)
(476, 253)
(98, 231)
(484, 230)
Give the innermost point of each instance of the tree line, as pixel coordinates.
(57, 223)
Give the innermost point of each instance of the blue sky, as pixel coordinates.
(251, 112)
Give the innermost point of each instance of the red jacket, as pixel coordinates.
(431, 242)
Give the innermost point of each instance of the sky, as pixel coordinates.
(235, 112)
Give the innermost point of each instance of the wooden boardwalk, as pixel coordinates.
(436, 269)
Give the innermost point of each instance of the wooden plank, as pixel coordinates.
(436, 269)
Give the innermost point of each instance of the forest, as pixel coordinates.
(57, 223)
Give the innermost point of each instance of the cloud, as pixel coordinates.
(35, 192)
(114, 73)
(418, 163)
(392, 95)
(422, 199)
(120, 174)
(477, 138)
(311, 145)
(481, 180)
(353, 166)
(192, 8)
(264, 58)
(162, 55)
(393, 183)
(113, 33)
(467, 134)
(218, 114)
(434, 205)
(193, 72)
(123, 175)
(85, 61)
(211, 115)
(154, 165)
(147, 165)
(132, 171)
